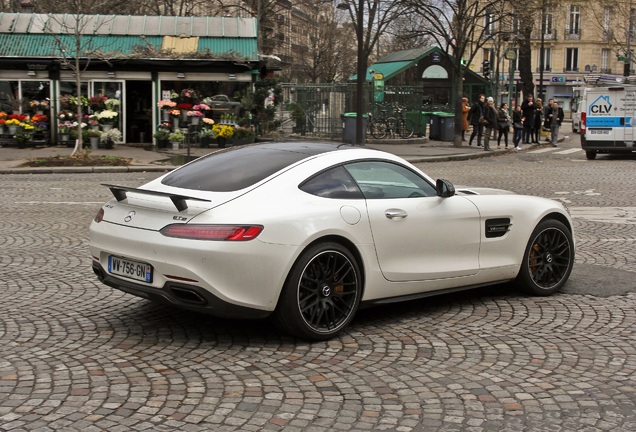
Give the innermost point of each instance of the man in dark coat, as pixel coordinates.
(528, 109)
(490, 117)
(555, 117)
(475, 113)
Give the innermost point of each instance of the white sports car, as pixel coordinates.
(309, 232)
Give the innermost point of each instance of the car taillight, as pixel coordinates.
(583, 118)
(99, 216)
(213, 232)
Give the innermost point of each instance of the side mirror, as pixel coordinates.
(444, 188)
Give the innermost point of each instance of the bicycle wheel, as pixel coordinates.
(406, 128)
(378, 129)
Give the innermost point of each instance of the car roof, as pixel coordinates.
(240, 167)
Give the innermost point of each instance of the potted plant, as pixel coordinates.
(110, 137)
(93, 136)
(64, 129)
(206, 135)
(194, 116)
(22, 138)
(243, 136)
(107, 118)
(223, 132)
(162, 136)
(176, 138)
(165, 106)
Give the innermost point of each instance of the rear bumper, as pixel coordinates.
(185, 296)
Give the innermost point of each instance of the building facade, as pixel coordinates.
(580, 39)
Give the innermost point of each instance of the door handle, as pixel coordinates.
(395, 214)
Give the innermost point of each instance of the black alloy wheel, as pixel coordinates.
(322, 293)
(549, 258)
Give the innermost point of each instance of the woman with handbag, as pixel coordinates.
(504, 122)
(517, 125)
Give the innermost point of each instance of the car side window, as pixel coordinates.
(333, 183)
(379, 179)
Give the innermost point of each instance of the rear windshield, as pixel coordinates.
(241, 167)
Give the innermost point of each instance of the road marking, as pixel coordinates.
(568, 151)
(544, 150)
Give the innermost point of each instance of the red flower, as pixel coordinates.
(184, 106)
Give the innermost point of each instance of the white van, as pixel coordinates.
(608, 120)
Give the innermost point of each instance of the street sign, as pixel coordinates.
(511, 54)
(378, 76)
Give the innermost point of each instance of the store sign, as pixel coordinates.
(558, 79)
(436, 57)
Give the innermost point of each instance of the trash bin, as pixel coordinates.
(419, 120)
(434, 131)
(447, 126)
(349, 127)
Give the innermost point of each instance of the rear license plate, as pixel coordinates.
(130, 269)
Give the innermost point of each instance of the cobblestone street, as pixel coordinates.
(79, 356)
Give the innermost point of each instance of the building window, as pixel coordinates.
(489, 23)
(571, 60)
(574, 27)
(548, 26)
(547, 59)
(605, 53)
(606, 23)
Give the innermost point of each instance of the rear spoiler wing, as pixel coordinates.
(179, 201)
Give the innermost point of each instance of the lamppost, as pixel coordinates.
(362, 69)
(542, 50)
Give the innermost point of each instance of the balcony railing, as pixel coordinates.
(549, 35)
(572, 36)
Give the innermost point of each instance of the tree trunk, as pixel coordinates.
(525, 62)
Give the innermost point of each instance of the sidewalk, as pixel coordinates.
(413, 150)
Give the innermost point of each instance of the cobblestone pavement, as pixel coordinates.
(77, 355)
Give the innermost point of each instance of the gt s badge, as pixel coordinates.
(180, 218)
(129, 216)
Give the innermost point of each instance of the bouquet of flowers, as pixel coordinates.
(28, 127)
(39, 118)
(164, 125)
(188, 94)
(65, 127)
(93, 120)
(175, 112)
(111, 136)
(3, 115)
(184, 106)
(201, 107)
(66, 115)
(19, 117)
(166, 104)
(223, 131)
(112, 104)
(208, 121)
(43, 104)
(97, 102)
(12, 122)
(194, 114)
(107, 116)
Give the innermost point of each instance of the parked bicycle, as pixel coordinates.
(384, 126)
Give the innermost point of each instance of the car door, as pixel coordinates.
(418, 236)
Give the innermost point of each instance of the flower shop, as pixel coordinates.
(164, 76)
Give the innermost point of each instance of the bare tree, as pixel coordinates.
(76, 45)
(462, 28)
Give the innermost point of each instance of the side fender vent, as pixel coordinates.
(497, 227)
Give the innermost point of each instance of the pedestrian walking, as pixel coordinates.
(517, 126)
(503, 122)
(546, 121)
(490, 122)
(475, 114)
(528, 109)
(465, 111)
(555, 116)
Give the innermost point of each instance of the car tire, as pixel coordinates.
(548, 258)
(590, 154)
(321, 294)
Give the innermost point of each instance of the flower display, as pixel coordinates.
(164, 125)
(12, 122)
(208, 121)
(201, 107)
(184, 106)
(194, 114)
(112, 103)
(3, 115)
(66, 115)
(2, 121)
(189, 94)
(111, 136)
(97, 102)
(175, 113)
(166, 104)
(65, 127)
(35, 104)
(39, 118)
(223, 131)
(19, 117)
(107, 116)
